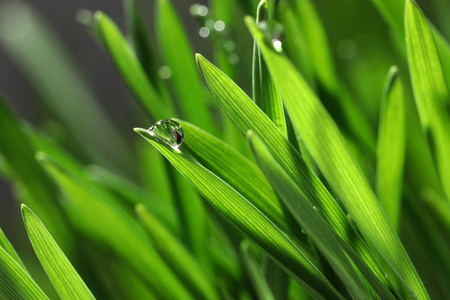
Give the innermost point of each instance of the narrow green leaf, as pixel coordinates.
(391, 147)
(177, 256)
(6, 245)
(326, 145)
(133, 194)
(328, 242)
(15, 283)
(295, 43)
(248, 219)
(129, 66)
(265, 94)
(177, 54)
(255, 272)
(64, 277)
(393, 11)
(430, 90)
(105, 222)
(247, 116)
(238, 171)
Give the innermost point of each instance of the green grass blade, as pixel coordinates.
(391, 147)
(15, 283)
(430, 90)
(129, 66)
(235, 169)
(6, 245)
(316, 40)
(265, 94)
(393, 11)
(43, 58)
(246, 116)
(294, 44)
(19, 154)
(102, 219)
(308, 216)
(132, 194)
(141, 40)
(177, 256)
(64, 277)
(255, 271)
(177, 54)
(248, 219)
(326, 145)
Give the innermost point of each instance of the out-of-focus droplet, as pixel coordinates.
(204, 32)
(165, 72)
(219, 25)
(274, 33)
(234, 58)
(229, 46)
(168, 131)
(198, 10)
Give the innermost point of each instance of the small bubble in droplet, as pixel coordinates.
(165, 72)
(168, 131)
(198, 10)
(204, 32)
(229, 46)
(314, 207)
(234, 58)
(219, 25)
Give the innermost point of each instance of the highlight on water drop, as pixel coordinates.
(168, 131)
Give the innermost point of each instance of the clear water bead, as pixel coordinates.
(168, 131)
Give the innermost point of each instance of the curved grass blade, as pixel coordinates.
(430, 90)
(178, 55)
(102, 219)
(129, 66)
(15, 283)
(63, 276)
(393, 11)
(391, 147)
(235, 169)
(6, 245)
(247, 116)
(255, 272)
(308, 216)
(177, 256)
(249, 220)
(316, 40)
(326, 145)
(133, 194)
(265, 94)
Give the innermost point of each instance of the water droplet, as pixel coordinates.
(274, 33)
(168, 131)
(204, 32)
(219, 25)
(165, 72)
(315, 207)
(229, 46)
(198, 10)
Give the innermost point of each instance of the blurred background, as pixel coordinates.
(78, 70)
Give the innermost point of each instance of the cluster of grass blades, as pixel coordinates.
(287, 194)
